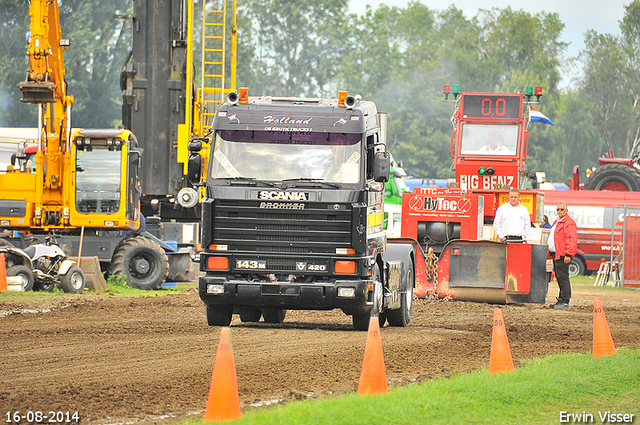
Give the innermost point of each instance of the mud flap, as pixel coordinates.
(405, 249)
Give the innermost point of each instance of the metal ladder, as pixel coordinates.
(213, 78)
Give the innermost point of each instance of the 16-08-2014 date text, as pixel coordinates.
(42, 417)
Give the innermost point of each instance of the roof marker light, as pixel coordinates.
(243, 95)
(342, 95)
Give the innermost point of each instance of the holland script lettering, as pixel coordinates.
(285, 120)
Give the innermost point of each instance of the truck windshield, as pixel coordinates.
(98, 181)
(277, 156)
(493, 139)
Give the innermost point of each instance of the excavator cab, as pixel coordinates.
(106, 188)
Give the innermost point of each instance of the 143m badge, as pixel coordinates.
(251, 264)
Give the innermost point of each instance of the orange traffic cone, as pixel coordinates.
(223, 403)
(3, 274)
(500, 359)
(602, 341)
(373, 378)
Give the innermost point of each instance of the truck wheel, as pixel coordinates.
(219, 315)
(25, 274)
(274, 315)
(361, 321)
(402, 316)
(577, 267)
(142, 261)
(73, 281)
(251, 315)
(619, 177)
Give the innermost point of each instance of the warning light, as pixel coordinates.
(528, 93)
(243, 95)
(342, 95)
(489, 171)
(447, 91)
(538, 93)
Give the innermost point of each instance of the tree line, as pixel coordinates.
(398, 57)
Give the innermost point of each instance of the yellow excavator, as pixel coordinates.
(84, 187)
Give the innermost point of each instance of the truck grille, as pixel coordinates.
(318, 229)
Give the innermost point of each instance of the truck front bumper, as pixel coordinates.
(352, 296)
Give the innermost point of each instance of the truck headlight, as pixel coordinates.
(215, 289)
(347, 292)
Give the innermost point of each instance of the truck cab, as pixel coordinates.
(293, 214)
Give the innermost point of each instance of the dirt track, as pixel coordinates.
(117, 359)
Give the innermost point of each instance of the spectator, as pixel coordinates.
(512, 221)
(563, 243)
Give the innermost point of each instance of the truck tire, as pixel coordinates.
(25, 273)
(274, 315)
(142, 261)
(73, 282)
(402, 316)
(577, 267)
(250, 314)
(613, 176)
(219, 315)
(361, 321)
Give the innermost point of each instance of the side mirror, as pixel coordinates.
(194, 167)
(381, 166)
(195, 145)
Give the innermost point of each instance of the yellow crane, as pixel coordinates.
(79, 181)
(85, 185)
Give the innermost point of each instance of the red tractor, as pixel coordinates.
(619, 174)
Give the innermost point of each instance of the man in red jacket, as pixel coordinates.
(563, 243)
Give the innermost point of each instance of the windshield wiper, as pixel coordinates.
(247, 179)
(316, 182)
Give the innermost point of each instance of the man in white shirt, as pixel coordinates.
(494, 144)
(512, 221)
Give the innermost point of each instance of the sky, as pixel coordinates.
(603, 16)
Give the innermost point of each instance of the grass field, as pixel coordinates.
(568, 388)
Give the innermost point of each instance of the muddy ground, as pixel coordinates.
(117, 359)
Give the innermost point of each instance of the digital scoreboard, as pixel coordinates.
(497, 106)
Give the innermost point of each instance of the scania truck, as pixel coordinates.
(293, 213)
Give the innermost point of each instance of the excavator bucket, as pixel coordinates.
(94, 279)
(37, 92)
